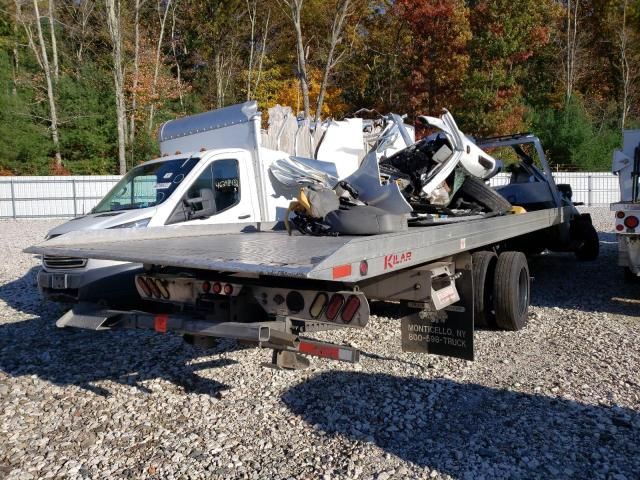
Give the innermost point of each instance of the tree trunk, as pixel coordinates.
(251, 10)
(262, 49)
(113, 23)
(15, 53)
(136, 72)
(219, 84)
(572, 46)
(295, 6)
(175, 55)
(86, 8)
(624, 66)
(53, 113)
(54, 43)
(166, 4)
(336, 31)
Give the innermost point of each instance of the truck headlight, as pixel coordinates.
(136, 224)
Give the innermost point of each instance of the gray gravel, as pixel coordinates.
(560, 399)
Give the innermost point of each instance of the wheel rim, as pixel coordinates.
(523, 288)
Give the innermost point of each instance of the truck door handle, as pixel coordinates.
(242, 217)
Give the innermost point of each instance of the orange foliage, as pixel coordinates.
(167, 87)
(59, 170)
(287, 92)
(440, 33)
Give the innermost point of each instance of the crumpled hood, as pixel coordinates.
(97, 221)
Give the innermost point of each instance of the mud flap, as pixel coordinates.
(447, 332)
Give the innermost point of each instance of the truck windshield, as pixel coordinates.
(146, 185)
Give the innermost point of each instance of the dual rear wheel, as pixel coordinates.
(501, 286)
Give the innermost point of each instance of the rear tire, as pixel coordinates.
(511, 291)
(484, 266)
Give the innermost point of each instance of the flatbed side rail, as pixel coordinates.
(387, 253)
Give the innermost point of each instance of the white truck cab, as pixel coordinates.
(213, 171)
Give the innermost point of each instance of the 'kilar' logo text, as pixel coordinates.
(394, 259)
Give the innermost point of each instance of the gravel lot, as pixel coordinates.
(560, 399)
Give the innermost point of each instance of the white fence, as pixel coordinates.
(33, 197)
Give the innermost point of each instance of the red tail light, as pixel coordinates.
(620, 214)
(154, 288)
(228, 289)
(350, 308)
(217, 288)
(206, 286)
(631, 221)
(619, 228)
(142, 283)
(162, 288)
(335, 304)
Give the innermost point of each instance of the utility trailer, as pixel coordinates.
(256, 283)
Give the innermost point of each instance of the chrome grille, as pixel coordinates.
(63, 263)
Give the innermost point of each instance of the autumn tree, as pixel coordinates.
(438, 51)
(163, 9)
(379, 65)
(623, 49)
(294, 12)
(569, 71)
(503, 43)
(155, 85)
(214, 62)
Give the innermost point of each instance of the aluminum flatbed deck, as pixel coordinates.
(255, 249)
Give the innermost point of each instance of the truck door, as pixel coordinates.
(220, 194)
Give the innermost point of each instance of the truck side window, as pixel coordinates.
(215, 190)
(226, 183)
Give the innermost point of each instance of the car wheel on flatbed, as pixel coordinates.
(511, 291)
(476, 189)
(484, 265)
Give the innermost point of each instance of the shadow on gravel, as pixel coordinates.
(560, 280)
(79, 357)
(467, 430)
(22, 293)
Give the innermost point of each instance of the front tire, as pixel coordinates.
(511, 291)
(587, 235)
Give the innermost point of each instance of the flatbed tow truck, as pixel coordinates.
(257, 283)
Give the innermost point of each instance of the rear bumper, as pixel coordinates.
(624, 206)
(265, 334)
(270, 334)
(110, 283)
